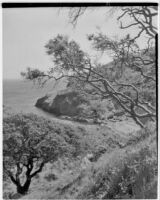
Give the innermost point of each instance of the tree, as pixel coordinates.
(130, 81)
(141, 17)
(28, 144)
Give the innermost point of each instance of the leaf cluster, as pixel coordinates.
(28, 138)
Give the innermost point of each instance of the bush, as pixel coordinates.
(51, 177)
(131, 174)
(135, 178)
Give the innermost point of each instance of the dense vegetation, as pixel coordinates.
(29, 143)
(122, 164)
(130, 82)
(131, 174)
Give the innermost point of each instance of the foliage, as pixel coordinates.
(130, 175)
(112, 151)
(29, 143)
(123, 85)
(65, 53)
(100, 110)
(50, 177)
(135, 178)
(96, 110)
(128, 81)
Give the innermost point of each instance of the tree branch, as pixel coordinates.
(39, 170)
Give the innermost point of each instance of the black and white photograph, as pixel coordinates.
(80, 100)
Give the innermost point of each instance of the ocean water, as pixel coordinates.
(21, 96)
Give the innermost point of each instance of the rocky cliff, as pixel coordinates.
(65, 102)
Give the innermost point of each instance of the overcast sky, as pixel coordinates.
(27, 30)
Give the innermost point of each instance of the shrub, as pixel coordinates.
(135, 177)
(131, 174)
(51, 177)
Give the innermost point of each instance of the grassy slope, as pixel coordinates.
(115, 152)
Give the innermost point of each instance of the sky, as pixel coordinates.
(27, 30)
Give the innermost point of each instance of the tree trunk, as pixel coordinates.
(24, 189)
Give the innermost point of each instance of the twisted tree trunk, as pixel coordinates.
(24, 189)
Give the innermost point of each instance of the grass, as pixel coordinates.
(132, 174)
(50, 177)
(124, 165)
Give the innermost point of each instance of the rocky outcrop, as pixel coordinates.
(66, 102)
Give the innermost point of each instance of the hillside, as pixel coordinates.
(98, 158)
(89, 101)
(83, 124)
(105, 154)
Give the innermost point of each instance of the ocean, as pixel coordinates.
(21, 96)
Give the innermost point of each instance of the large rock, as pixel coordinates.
(66, 102)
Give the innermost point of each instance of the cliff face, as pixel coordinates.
(66, 102)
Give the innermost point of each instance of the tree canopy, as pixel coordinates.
(29, 143)
(129, 80)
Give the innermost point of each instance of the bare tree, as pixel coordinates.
(75, 13)
(142, 17)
